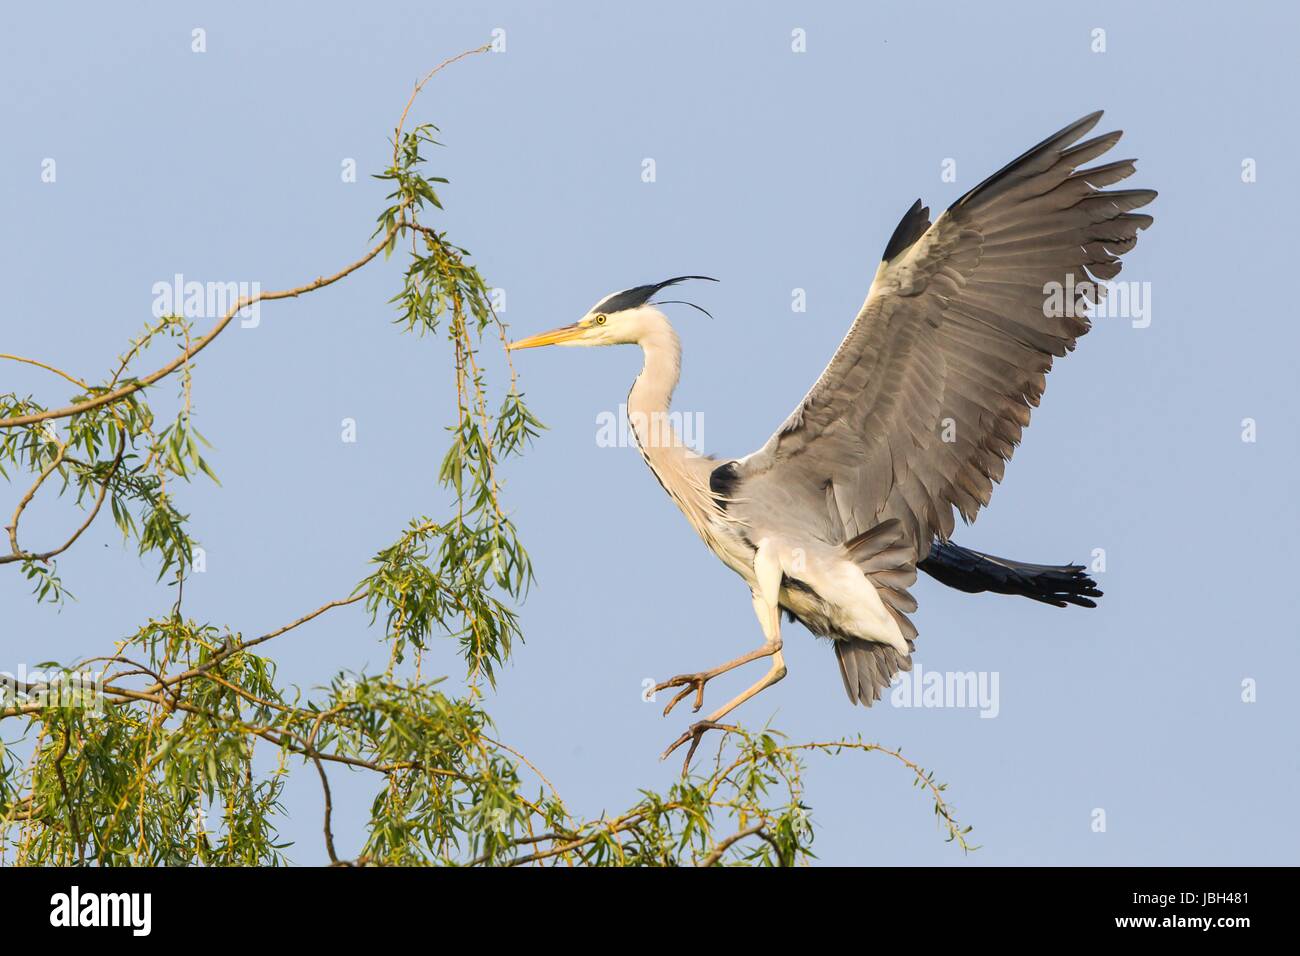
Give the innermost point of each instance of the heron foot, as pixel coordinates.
(694, 734)
(696, 682)
(687, 683)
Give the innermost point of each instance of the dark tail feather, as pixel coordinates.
(971, 571)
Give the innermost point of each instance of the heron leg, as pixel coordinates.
(695, 732)
(767, 607)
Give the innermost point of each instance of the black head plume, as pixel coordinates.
(631, 298)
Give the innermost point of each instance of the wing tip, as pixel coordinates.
(909, 229)
(1060, 141)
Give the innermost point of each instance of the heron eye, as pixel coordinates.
(600, 320)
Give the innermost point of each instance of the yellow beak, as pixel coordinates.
(558, 336)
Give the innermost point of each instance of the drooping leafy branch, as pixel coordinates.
(176, 750)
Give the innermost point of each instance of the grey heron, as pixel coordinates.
(914, 418)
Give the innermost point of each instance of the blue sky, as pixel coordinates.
(775, 170)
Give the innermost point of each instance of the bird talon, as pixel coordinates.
(688, 683)
(694, 733)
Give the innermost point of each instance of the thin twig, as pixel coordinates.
(49, 368)
(401, 122)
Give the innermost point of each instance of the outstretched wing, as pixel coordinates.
(926, 397)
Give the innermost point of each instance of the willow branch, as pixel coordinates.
(20, 555)
(26, 499)
(726, 844)
(401, 122)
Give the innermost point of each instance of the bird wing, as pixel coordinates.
(925, 399)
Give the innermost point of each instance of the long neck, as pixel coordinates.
(648, 413)
(652, 395)
(683, 473)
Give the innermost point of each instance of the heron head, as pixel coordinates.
(622, 318)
